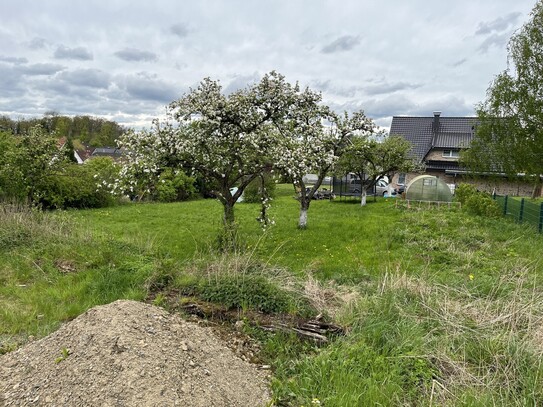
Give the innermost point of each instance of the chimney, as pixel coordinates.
(436, 121)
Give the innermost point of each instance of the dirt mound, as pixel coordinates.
(130, 354)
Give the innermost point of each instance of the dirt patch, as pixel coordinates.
(130, 354)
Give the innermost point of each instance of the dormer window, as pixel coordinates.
(451, 153)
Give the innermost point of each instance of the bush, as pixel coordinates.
(174, 186)
(483, 205)
(463, 192)
(80, 186)
(253, 192)
(12, 187)
(478, 203)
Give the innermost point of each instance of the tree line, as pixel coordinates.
(80, 130)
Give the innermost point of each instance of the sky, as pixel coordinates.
(126, 60)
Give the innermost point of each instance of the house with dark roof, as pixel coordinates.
(114, 153)
(436, 144)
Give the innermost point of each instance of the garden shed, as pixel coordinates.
(428, 188)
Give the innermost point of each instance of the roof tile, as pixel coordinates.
(453, 132)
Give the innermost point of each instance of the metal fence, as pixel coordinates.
(522, 210)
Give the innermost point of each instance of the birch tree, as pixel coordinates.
(509, 138)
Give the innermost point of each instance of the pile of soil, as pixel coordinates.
(130, 354)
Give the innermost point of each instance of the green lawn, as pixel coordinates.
(342, 241)
(446, 307)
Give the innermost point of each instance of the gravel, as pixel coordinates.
(129, 353)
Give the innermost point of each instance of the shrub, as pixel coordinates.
(79, 186)
(475, 202)
(463, 192)
(483, 205)
(174, 186)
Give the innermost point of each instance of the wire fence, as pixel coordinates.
(522, 210)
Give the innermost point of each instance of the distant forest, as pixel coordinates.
(80, 130)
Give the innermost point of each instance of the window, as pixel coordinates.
(429, 182)
(451, 153)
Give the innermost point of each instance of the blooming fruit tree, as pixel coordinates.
(311, 141)
(373, 158)
(228, 140)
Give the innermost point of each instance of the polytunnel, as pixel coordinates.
(428, 188)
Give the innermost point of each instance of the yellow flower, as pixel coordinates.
(316, 402)
(471, 276)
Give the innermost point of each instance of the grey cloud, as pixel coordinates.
(321, 85)
(498, 25)
(53, 87)
(37, 43)
(383, 88)
(328, 87)
(132, 54)
(460, 62)
(449, 105)
(376, 88)
(10, 81)
(78, 53)
(240, 82)
(91, 78)
(42, 69)
(13, 60)
(349, 91)
(378, 109)
(345, 43)
(22, 105)
(142, 86)
(180, 30)
(497, 40)
(387, 106)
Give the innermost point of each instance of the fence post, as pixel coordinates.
(505, 205)
(541, 218)
(521, 212)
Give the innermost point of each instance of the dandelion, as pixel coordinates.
(316, 402)
(471, 276)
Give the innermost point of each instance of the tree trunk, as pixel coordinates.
(536, 192)
(304, 207)
(228, 238)
(228, 214)
(363, 196)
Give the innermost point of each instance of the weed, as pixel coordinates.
(64, 355)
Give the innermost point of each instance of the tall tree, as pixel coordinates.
(509, 138)
(226, 139)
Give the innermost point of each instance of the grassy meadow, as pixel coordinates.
(439, 307)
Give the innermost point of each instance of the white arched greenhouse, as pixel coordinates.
(429, 189)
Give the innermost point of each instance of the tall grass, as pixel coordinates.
(51, 270)
(21, 225)
(440, 307)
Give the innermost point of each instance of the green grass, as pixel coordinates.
(445, 307)
(341, 241)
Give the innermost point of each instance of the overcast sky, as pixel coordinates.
(125, 60)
